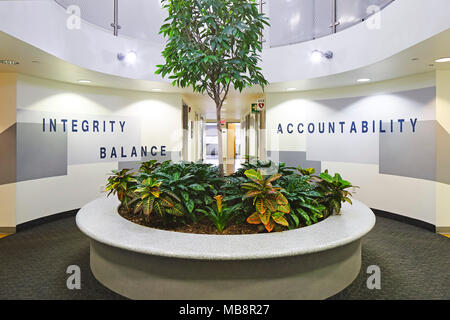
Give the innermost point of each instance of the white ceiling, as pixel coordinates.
(49, 67)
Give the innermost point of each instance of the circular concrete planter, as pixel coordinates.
(138, 262)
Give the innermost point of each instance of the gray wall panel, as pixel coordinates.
(175, 156)
(8, 155)
(294, 159)
(40, 154)
(410, 154)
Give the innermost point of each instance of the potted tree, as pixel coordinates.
(213, 45)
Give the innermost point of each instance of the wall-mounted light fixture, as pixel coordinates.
(128, 58)
(317, 56)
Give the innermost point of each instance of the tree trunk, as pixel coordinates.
(220, 142)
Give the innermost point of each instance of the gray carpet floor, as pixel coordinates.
(414, 263)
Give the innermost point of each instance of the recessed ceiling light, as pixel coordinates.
(441, 60)
(84, 81)
(7, 61)
(156, 89)
(291, 89)
(364, 80)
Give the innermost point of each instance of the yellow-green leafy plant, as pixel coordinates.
(150, 198)
(149, 166)
(333, 189)
(219, 213)
(270, 204)
(122, 182)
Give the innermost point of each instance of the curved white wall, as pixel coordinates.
(357, 160)
(397, 171)
(403, 24)
(93, 48)
(43, 24)
(152, 119)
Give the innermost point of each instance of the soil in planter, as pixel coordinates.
(203, 226)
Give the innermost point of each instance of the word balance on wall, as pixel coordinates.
(134, 152)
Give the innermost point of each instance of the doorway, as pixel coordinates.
(253, 137)
(211, 144)
(234, 147)
(232, 142)
(193, 146)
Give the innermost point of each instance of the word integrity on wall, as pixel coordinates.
(75, 125)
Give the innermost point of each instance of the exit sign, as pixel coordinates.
(261, 104)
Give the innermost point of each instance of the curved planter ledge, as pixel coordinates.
(138, 262)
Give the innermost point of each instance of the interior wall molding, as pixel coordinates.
(443, 230)
(50, 218)
(7, 230)
(405, 219)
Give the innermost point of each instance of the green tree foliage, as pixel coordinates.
(211, 46)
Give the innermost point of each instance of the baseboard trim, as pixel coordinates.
(445, 230)
(7, 230)
(381, 213)
(53, 217)
(408, 220)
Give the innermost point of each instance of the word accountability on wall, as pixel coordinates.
(75, 125)
(352, 127)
